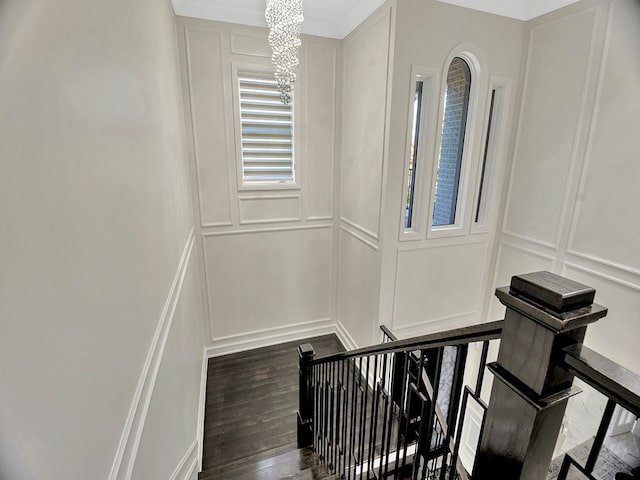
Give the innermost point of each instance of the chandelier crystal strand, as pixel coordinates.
(284, 18)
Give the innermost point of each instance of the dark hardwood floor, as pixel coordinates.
(250, 413)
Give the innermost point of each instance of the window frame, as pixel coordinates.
(261, 70)
(493, 148)
(430, 78)
(461, 224)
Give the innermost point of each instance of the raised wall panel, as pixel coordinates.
(248, 44)
(551, 118)
(208, 103)
(358, 287)
(616, 335)
(607, 224)
(433, 284)
(320, 145)
(262, 280)
(364, 103)
(269, 209)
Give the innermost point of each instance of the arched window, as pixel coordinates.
(454, 122)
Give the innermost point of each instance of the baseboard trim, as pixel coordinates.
(266, 338)
(201, 406)
(125, 457)
(185, 468)
(345, 338)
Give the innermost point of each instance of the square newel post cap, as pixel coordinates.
(306, 351)
(554, 301)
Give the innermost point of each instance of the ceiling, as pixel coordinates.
(336, 18)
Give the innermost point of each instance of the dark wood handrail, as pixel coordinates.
(614, 381)
(459, 336)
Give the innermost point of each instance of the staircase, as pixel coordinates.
(397, 410)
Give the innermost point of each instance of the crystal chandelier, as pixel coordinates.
(284, 18)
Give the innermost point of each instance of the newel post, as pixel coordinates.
(306, 398)
(545, 313)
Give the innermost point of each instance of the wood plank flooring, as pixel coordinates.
(251, 405)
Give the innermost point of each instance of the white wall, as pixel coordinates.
(96, 221)
(573, 189)
(575, 169)
(429, 282)
(267, 252)
(365, 68)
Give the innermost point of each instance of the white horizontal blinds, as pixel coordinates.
(267, 125)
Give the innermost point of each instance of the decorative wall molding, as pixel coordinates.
(216, 225)
(345, 338)
(238, 48)
(187, 465)
(572, 182)
(273, 336)
(595, 273)
(359, 228)
(427, 327)
(266, 230)
(189, 102)
(603, 262)
(359, 237)
(262, 219)
(124, 461)
(527, 249)
(412, 246)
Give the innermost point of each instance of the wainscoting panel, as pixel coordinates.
(209, 120)
(616, 335)
(358, 286)
(553, 114)
(438, 283)
(267, 279)
(269, 209)
(609, 190)
(320, 147)
(363, 113)
(249, 44)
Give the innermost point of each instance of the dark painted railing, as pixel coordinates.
(390, 411)
(619, 385)
(397, 410)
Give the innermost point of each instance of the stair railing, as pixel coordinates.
(396, 410)
(389, 410)
(621, 387)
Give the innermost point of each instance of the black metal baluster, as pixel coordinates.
(481, 369)
(599, 439)
(419, 459)
(402, 411)
(343, 424)
(363, 415)
(347, 444)
(407, 420)
(385, 416)
(374, 414)
(325, 409)
(423, 412)
(354, 409)
(434, 400)
(332, 414)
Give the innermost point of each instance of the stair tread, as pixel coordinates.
(296, 464)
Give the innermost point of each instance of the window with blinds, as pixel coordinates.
(267, 131)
